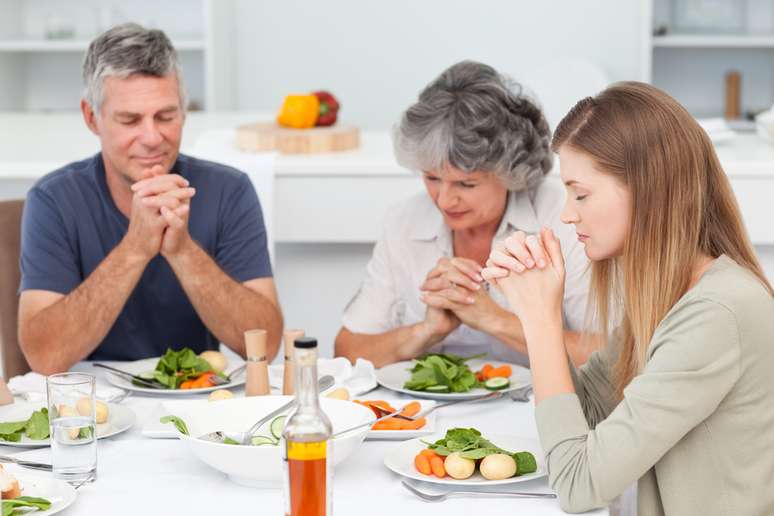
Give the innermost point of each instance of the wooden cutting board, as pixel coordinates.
(269, 136)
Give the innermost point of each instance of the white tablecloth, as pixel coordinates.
(138, 475)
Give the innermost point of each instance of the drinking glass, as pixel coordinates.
(72, 418)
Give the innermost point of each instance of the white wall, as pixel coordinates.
(376, 56)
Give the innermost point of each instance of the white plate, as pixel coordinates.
(394, 376)
(58, 492)
(401, 435)
(120, 419)
(400, 459)
(149, 364)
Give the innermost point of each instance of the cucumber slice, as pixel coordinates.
(437, 388)
(260, 440)
(497, 383)
(277, 426)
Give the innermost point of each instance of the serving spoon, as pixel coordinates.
(245, 438)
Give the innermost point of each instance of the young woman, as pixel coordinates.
(682, 397)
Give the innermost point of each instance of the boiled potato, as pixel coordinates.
(339, 394)
(216, 359)
(68, 411)
(459, 467)
(220, 394)
(101, 411)
(498, 466)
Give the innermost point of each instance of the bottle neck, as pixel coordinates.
(307, 395)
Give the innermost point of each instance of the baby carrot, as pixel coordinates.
(436, 464)
(427, 452)
(502, 371)
(387, 424)
(411, 409)
(422, 464)
(413, 425)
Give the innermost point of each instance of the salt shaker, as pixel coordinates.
(257, 373)
(289, 338)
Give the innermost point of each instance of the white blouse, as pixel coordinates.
(413, 240)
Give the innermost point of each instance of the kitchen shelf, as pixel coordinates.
(43, 45)
(714, 41)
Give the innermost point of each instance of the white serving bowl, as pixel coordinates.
(261, 466)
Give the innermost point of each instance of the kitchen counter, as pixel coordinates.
(336, 197)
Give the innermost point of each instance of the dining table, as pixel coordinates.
(139, 475)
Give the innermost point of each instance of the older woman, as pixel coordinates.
(483, 150)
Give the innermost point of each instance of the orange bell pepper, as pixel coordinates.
(299, 111)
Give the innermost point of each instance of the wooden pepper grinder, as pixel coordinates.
(733, 106)
(289, 338)
(6, 398)
(257, 373)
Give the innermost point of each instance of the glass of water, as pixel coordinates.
(71, 414)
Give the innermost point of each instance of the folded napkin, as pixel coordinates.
(32, 387)
(357, 379)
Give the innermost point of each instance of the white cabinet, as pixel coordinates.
(42, 44)
(702, 40)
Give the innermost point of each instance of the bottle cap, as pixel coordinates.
(306, 343)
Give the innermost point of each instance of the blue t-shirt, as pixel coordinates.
(71, 223)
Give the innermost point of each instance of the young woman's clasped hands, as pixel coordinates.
(529, 271)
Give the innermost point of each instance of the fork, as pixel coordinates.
(521, 394)
(491, 396)
(143, 382)
(439, 497)
(383, 412)
(118, 399)
(218, 380)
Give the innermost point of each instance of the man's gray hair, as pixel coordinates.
(126, 50)
(472, 118)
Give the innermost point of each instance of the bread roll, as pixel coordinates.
(9, 486)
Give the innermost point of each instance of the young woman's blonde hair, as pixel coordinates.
(682, 207)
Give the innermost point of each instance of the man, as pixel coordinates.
(140, 248)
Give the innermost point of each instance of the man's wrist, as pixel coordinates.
(133, 255)
(184, 252)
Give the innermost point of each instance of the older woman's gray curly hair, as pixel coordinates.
(472, 118)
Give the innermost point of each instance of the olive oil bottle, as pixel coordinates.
(307, 455)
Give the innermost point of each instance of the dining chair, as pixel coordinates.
(13, 361)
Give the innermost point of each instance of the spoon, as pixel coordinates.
(245, 438)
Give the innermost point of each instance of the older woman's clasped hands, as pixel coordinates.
(529, 271)
(456, 286)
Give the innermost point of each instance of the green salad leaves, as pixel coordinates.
(437, 372)
(179, 423)
(472, 445)
(176, 367)
(36, 427)
(24, 505)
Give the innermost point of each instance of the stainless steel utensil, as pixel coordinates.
(495, 395)
(244, 438)
(26, 463)
(439, 497)
(218, 380)
(144, 382)
(522, 394)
